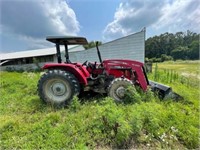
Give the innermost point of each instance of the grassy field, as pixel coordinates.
(185, 68)
(99, 123)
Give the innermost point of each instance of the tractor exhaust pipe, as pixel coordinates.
(98, 52)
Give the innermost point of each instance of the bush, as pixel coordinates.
(154, 59)
(165, 57)
(132, 96)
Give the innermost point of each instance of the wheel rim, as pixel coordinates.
(117, 89)
(57, 90)
(120, 92)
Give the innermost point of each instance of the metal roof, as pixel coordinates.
(35, 53)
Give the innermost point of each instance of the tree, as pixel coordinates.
(91, 45)
(194, 50)
(180, 53)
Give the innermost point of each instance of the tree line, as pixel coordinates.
(169, 46)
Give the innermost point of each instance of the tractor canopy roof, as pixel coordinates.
(67, 40)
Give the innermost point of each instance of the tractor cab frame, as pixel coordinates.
(66, 40)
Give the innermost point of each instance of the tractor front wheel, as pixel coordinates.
(118, 87)
(57, 87)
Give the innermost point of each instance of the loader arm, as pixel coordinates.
(135, 66)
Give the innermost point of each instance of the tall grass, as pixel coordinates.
(143, 122)
(172, 76)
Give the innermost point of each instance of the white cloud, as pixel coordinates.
(33, 20)
(159, 16)
(61, 16)
(179, 16)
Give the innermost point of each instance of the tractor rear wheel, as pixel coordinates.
(118, 87)
(57, 87)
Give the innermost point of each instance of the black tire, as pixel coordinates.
(117, 88)
(57, 87)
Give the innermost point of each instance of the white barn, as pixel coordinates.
(128, 47)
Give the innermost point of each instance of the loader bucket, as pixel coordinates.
(164, 91)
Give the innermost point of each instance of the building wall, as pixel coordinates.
(22, 67)
(129, 47)
(30, 63)
(30, 60)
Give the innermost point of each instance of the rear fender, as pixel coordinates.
(76, 69)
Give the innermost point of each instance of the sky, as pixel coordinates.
(25, 24)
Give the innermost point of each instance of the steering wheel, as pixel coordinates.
(85, 63)
(92, 66)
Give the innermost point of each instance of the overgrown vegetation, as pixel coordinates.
(143, 121)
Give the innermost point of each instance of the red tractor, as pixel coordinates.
(63, 80)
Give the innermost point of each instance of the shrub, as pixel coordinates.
(132, 96)
(165, 57)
